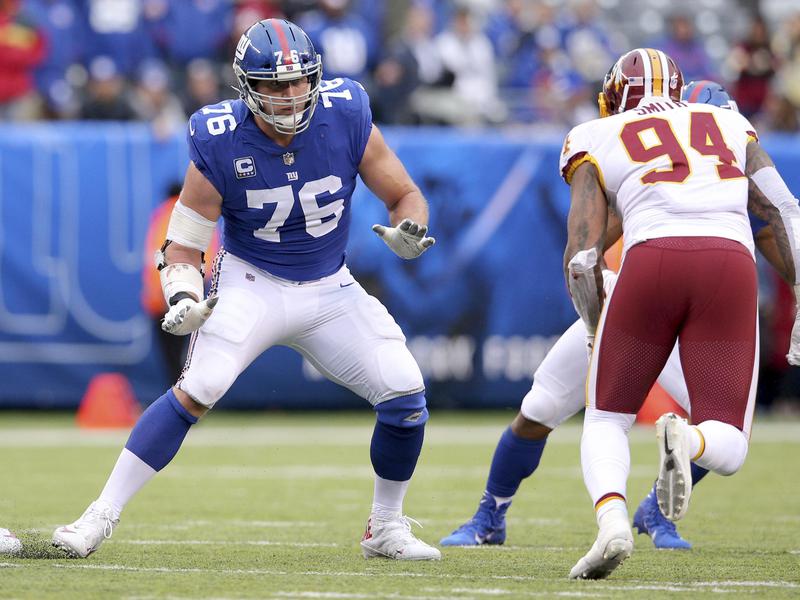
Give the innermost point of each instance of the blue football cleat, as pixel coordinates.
(649, 519)
(487, 526)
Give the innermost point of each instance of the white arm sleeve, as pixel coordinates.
(771, 184)
(189, 228)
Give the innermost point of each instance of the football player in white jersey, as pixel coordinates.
(677, 176)
(280, 165)
(558, 393)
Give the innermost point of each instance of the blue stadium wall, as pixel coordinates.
(479, 311)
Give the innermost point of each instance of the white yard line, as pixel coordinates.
(342, 595)
(282, 435)
(514, 520)
(712, 586)
(201, 523)
(618, 586)
(516, 593)
(316, 472)
(310, 472)
(457, 594)
(226, 543)
(181, 525)
(111, 567)
(462, 595)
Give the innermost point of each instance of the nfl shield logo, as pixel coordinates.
(288, 159)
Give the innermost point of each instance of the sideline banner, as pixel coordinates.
(480, 310)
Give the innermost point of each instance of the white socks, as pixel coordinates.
(128, 477)
(605, 455)
(388, 500)
(722, 448)
(611, 510)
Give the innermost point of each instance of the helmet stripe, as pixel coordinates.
(696, 92)
(282, 39)
(665, 70)
(648, 72)
(658, 72)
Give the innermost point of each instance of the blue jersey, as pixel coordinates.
(286, 210)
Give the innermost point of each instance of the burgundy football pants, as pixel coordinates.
(699, 290)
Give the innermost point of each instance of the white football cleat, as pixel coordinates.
(674, 483)
(392, 538)
(85, 535)
(9, 544)
(613, 545)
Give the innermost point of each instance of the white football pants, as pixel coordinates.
(559, 384)
(344, 332)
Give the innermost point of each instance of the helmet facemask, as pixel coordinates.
(608, 98)
(270, 108)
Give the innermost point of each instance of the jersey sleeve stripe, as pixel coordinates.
(752, 136)
(576, 161)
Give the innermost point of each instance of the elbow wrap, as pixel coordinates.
(189, 228)
(583, 287)
(181, 277)
(774, 188)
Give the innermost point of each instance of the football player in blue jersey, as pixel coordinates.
(558, 393)
(280, 165)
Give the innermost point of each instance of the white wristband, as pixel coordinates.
(181, 277)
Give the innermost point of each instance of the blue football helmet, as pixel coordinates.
(708, 92)
(277, 50)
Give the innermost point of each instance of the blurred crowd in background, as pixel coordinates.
(444, 62)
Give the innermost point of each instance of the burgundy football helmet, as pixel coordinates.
(639, 73)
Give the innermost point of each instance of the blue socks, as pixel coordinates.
(394, 450)
(515, 458)
(397, 438)
(697, 474)
(160, 430)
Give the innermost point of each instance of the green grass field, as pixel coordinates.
(273, 506)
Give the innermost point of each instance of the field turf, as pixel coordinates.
(272, 506)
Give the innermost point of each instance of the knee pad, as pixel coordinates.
(208, 378)
(397, 371)
(547, 408)
(404, 411)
